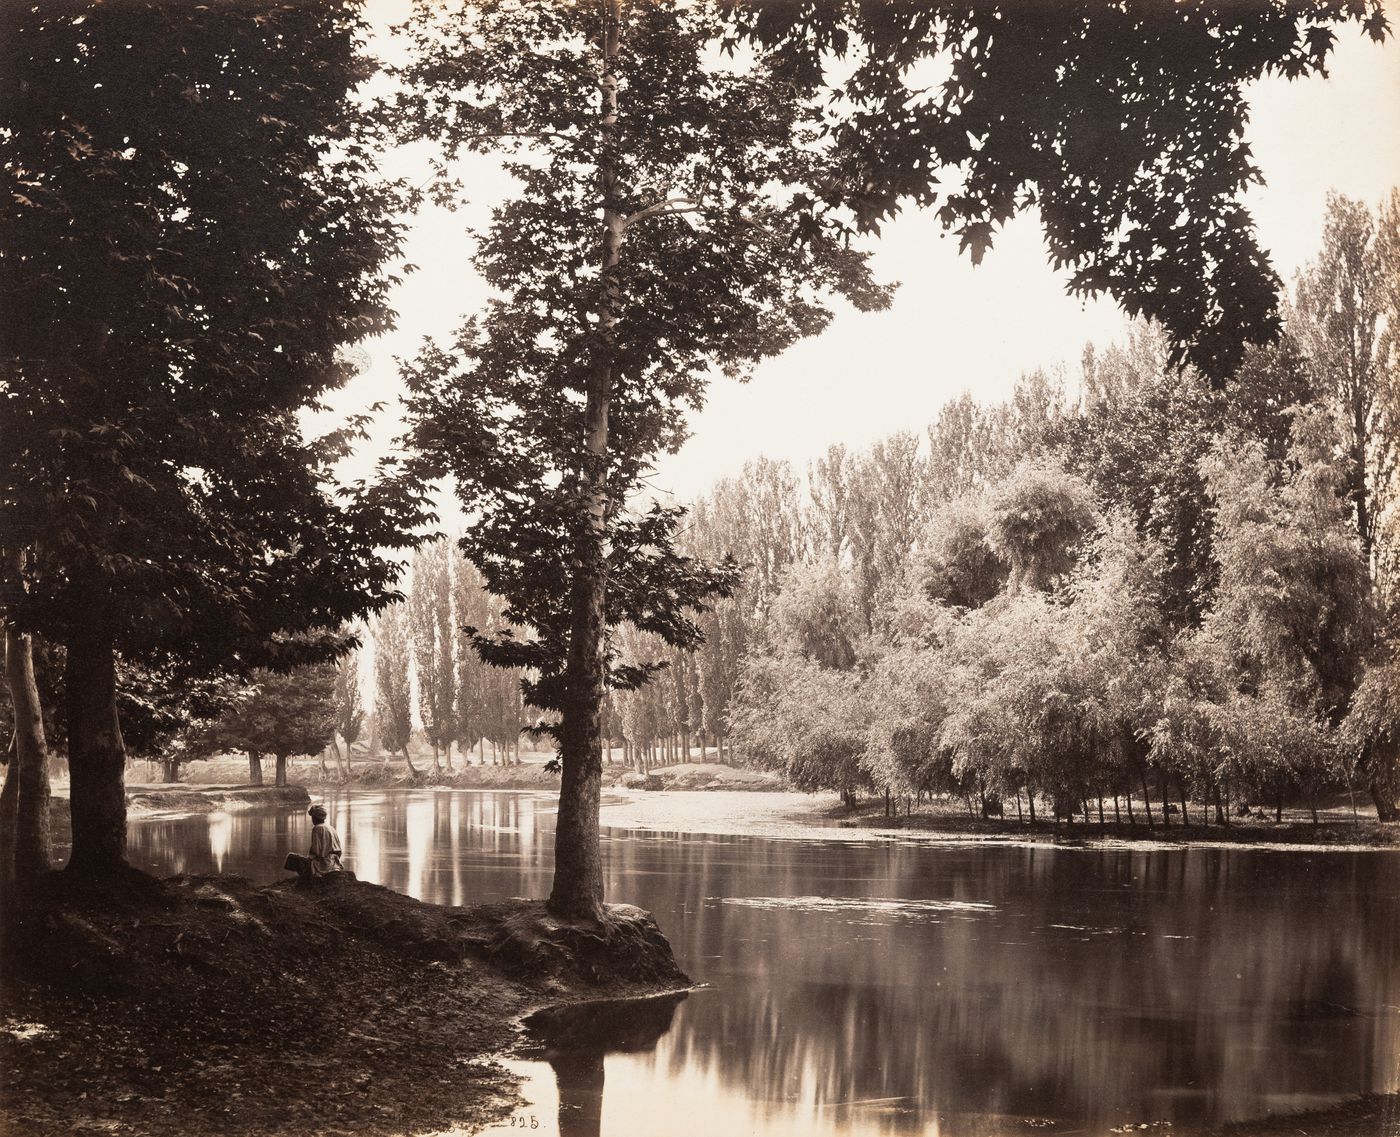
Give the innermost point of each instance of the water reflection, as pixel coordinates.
(901, 988)
(574, 1041)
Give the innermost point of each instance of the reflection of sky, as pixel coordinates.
(220, 834)
(418, 825)
(878, 988)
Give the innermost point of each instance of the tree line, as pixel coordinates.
(1150, 589)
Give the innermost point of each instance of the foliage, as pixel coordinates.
(1346, 321)
(1148, 212)
(176, 207)
(431, 640)
(349, 708)
(193, 230)
(393, 700)
(280, 713)
(1036, 518)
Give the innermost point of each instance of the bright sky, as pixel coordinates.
(952, 326)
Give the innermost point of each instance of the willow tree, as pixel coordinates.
(661, 231)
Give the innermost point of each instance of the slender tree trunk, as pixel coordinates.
(30, 758)
(255, 775)
(281, 777)
(1146, 796)
(408, 760)
(1181, 791)
(96, 754)
(578, 860)
(1117, 816)
(1030, 801)
(1166, 802)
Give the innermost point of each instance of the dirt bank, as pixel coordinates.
(210, 1004)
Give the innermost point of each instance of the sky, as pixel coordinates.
(952, 326)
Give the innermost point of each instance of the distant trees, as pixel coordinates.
(1168, 599)
(430, 626)
(282, 714)
(393, 691)
(1347, 321)
(348, 708)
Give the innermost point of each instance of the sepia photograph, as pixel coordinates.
(700, 568)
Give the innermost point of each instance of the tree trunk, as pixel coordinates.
(170, 770)
(281, 778)
(9, 806)
(96, 755)
(578, 861)
(255, 777)
(30, 760)
(408, 760)
(1383, 784)
(1146, 796)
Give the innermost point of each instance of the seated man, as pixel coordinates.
(325, 849)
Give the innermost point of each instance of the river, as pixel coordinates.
(857, 985)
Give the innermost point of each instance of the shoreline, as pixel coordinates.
(794, 816)
(337, 1006)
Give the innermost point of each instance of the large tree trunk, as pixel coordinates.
(96, 755)
(170, 770)
(9, 805)
(578, 859)
(281, 778)
(255, 777)
(30, 760)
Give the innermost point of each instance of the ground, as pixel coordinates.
(208, 1004)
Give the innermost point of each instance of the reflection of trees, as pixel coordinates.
(960, 1011)
(573, 1040)
(1005, 1013)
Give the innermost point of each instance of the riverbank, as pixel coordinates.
(822, 817)
(208, 1004)
(1336, 826)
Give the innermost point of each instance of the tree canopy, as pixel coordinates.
(193, 229)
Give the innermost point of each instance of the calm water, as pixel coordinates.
(902, 988)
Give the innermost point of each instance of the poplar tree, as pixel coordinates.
(393, 699)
